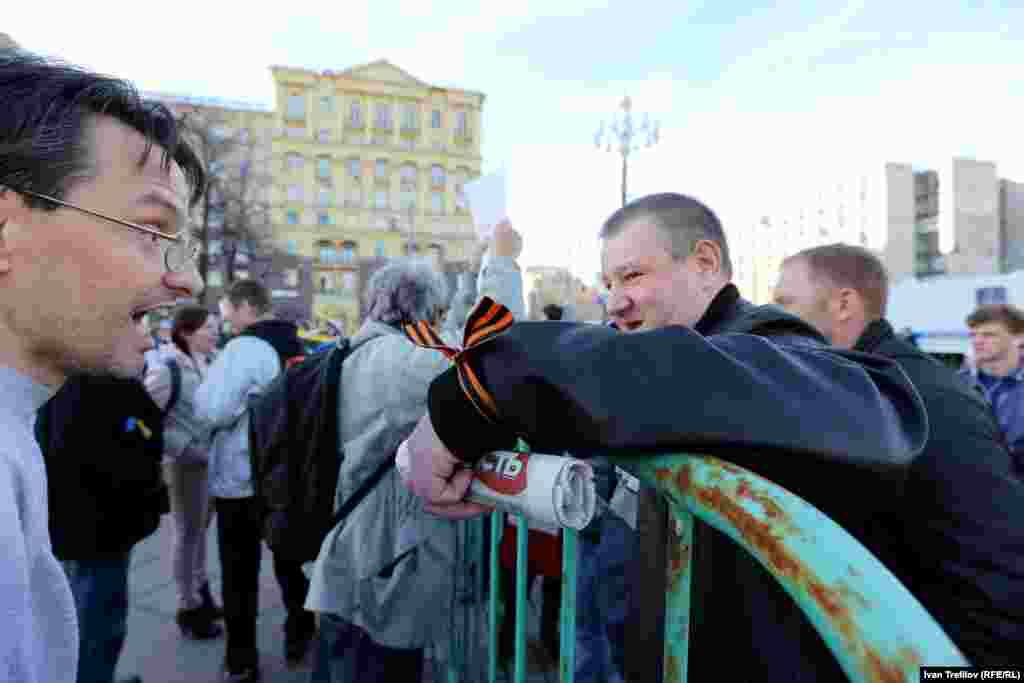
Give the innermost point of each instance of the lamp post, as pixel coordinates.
(624, 136)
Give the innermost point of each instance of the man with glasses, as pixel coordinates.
(95, 185)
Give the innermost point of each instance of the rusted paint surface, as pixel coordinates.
(672, 669)
(767, 539)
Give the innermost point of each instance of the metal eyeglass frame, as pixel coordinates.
(183, 249)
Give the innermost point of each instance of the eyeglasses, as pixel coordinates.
(179, 252)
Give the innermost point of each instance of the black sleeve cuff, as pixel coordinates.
(462, 429)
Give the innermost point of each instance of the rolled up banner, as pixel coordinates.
(550, 490)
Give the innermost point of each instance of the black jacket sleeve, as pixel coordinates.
(576, 386)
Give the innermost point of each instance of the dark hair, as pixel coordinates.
(1008, 315)
(552, 312)
(847, 265)
(187, 320)
(684, 220)
(252, 292)
(47, 108)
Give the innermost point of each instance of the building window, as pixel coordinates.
(294, 161)
(292, 247)
(215, 217)
(218, 134)
(324, 197)
(323, 135)
(327, 253)
(296, 106)
(293, 217)
(323, 218)
(243, 135)
(291, 277)
(323, 167)
(435, 119)
(408, 175)
(348, 281)
(378, 249)
(382, 119)
(215, 278)
(381, 169)
(215, 167)
(295, 132)
(354, 168)
(409, 116)
(437, 202)
(355, 115)
(327, 104)
(214, 248)
(295, 193)
(437, 175)
(348, 253)
(243, 169)
(380, 199)
(460, 123)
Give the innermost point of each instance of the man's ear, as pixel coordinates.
(849, 304)
(10, 203)
(707, 255)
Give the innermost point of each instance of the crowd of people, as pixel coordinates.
(106, 425)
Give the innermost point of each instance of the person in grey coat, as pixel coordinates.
(383, 583)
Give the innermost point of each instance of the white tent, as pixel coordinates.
(936, 308)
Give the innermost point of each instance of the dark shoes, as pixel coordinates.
(197, 624)
(249, 675)
(299, 629)
(211, 608)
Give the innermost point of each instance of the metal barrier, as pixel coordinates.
(847, 594)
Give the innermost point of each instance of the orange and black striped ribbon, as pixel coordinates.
(487, 321)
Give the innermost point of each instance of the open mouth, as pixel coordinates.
(139, 313)
(633, 326)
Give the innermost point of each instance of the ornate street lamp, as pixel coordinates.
(623, 136)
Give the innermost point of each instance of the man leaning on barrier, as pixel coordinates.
(958, 542)
(695, 369)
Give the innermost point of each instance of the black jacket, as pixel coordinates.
(102, 441)
(777, 401)
(961, 521)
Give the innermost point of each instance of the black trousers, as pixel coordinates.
(239, 541)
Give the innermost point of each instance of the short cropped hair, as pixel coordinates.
(252, 292)
(47, 110)
(405, 290)
(684, 221)
(553, 312)
(1008, 315)
(847, 265)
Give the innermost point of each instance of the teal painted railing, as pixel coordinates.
(876, 629)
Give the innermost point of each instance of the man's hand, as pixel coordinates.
(437, 476)
(507, 242)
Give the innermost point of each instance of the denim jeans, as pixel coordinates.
(601, 592)
(346, 654)
(100, 589)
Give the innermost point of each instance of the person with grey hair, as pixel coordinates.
(384, 580)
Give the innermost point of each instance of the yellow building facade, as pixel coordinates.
(369, 164)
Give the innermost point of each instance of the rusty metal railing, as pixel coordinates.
(872, 624)
(876, 629)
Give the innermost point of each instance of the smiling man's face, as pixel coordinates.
(73, 287)
(647, 288)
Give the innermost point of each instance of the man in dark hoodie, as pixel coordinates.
(958, 541)
(695, 368)
(245, 367)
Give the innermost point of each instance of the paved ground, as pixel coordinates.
(156, 651)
